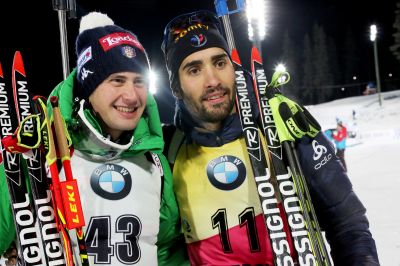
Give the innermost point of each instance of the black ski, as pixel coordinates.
(33, 242)
(310, 249)
(21, 204)
(265, 188)
(296, 200)
(42, 195)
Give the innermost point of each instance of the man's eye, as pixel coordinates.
(117, 80)
(221, 63)
(193, 71)
(139, 81)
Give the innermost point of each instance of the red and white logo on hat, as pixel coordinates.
(84, 57)
(118, 38)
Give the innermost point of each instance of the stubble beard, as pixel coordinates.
(214, 114)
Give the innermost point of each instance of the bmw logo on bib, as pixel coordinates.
(226, 172)
(111, 181)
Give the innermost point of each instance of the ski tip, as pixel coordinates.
(255, 54)
(18, 63)
(235, 56)
(17, 54)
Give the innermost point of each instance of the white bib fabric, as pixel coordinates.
(121, 205)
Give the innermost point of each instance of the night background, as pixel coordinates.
(294, 29)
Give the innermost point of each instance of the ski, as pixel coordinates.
(266, 190)
(258, 160)
(34, 132)
(41, 193)
(305, 231)
(21, 204)
(297, 202)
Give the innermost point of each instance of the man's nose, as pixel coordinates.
(130, 94)
(212, 78)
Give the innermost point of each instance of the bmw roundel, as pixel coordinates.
(226, 172)
(111, 181)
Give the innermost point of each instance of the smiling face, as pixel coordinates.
(207, 86)
(120, 101)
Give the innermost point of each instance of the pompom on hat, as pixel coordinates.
(104, 48)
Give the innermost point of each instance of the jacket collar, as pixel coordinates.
(231, 128)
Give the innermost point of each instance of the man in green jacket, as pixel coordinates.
(124, 181)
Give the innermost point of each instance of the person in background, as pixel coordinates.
(370, 89)
(340, 136)
(329, 135)
(125, 182)
(222, 218)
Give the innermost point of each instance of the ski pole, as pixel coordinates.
(275, 98)
(62, 7)
(288, 143)
(293, 199)
(51, 159)
(75, 218)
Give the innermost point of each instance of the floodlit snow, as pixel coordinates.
(373, 162)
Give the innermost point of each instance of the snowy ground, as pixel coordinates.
(373, 162)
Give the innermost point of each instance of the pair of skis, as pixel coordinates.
(46, 206)
(292, 187)
(22, 205)
(297, 202)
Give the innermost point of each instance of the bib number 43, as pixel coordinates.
(98, 239)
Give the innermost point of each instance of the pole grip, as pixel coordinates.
(59, 128)
(65, 5)
(72, 9)
(60, 5)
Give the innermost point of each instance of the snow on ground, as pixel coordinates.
(373, 162)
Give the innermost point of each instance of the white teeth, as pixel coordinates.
(125, 109)
(214, 97)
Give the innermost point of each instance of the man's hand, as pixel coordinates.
(26, 137)
(293, 121)
(298, 121)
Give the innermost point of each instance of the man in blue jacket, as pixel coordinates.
(222, 218)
